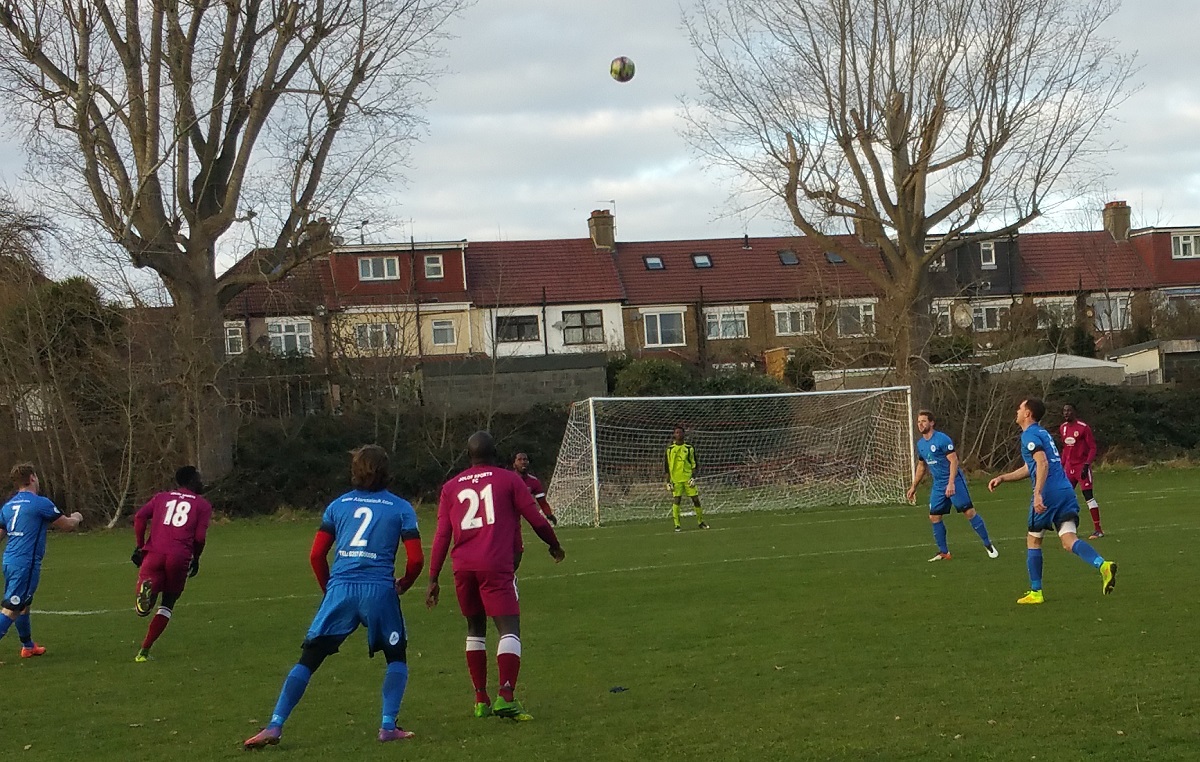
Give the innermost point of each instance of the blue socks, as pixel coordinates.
(293, 689)
(5, 623)
(394, 682)
(23, 631)
(1087, 553)
(1033, 560)
(980, 529)
(939, 536)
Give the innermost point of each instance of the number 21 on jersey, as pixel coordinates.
(471, 519)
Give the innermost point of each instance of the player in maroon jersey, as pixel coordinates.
(481, 510)
(1078, 452)
(521, 466)
(178, 523)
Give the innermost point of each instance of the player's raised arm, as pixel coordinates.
(1011, 476)
(67, 523)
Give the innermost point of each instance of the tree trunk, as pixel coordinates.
(210, 421)
(912, 330)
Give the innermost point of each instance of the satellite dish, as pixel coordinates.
(963, 318)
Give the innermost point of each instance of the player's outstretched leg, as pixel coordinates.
(939, 537)
(476, 654)
(394, 682)
(981, 530)
(157, 625)
(6, 622)
(1094, 510)
(1033, 562)
(699, 513)
(29, 649)
(289, 696)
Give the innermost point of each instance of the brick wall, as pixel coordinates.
(513, 384)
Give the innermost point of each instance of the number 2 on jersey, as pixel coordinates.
(471, 519)
(360, 537)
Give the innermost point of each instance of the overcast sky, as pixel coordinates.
(528, 133)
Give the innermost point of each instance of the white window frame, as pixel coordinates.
(1185, 245)
(584, 327)
(370, 337)
(981, 310)
(702, 261)
(1106, 306)
(1063, 309)
(435, 267)
(987, 255)
(657, 316)
(388, 268)
(943, 318)
(235, 331)
(444, 325)
(866, 311)
(280, 329)
(787, 311)
(654, 262)
(722, 323)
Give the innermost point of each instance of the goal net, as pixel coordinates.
(754, 452)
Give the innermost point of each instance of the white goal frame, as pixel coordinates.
(576, 490)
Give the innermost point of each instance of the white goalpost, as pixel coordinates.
(754, 452)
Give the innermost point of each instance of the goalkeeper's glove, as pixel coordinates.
(194, 568)
(552, 519)
(670, 487)
(691, 482)
(138, 555)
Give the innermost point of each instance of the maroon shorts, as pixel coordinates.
(1080, 476)
(167, 574)
(490, 593)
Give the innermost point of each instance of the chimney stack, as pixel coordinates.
(601, 228)
(1117, 220)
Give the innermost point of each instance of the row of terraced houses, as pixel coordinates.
(712, 301)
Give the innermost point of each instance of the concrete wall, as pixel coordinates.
(513, 384)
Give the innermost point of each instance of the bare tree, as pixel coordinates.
(157, 119)
(902, 118)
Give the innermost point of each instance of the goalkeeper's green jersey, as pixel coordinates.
(681, 462)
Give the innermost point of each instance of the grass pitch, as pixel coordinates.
(820, 635)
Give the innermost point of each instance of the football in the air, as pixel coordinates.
(621, 69)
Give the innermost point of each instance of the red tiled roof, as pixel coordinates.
(509, 273)
(297, 293)
(1086, 260)
(739, 274)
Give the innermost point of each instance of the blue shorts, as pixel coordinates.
(20, 583)
(1061, 507)
(347, 605)
(939, 504)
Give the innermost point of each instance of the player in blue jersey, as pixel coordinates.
(24, 520)
(365, 527)
(1053, 505)
(935, 454)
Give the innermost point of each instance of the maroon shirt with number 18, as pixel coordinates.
(481, 510)
(177, 521)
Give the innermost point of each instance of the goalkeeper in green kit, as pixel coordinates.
(681, 467)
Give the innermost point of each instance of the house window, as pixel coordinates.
(987, 255)
(654, 263)
(833, 258)
(941, 319)
(795, 320)
(376, 335)
(583, 327)
(1058, 314)
(235, 339)
(938, 264)
(726, 323)
(443, 333)
(1184, 246)
(290, 337)
(433, 267)
(665, 329)
(378, 268)
(990, 318)
(517, 328)
(701, 261)
(788, 257)
(1111, 312)
(856, 319)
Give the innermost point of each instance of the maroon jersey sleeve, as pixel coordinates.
(441, 537)
(1088, 445)
(527, 506)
